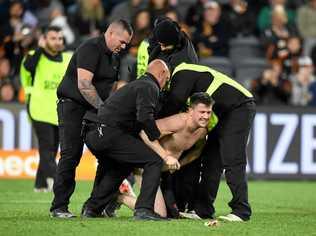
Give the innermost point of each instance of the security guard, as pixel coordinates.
(226, 145)
(168, 43)
(92, 71)
(114, 140)
(41, 72)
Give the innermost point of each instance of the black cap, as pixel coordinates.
(167, 32)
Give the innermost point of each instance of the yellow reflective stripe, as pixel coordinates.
(212, 122)
(31, 52)
(225, 79)
(142, 58)
(194, 67)
(213, 86)
(219, 78)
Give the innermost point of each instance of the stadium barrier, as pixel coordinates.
(282, 145)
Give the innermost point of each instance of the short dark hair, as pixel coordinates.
(51, 28)
(201, 97)
(125, 25)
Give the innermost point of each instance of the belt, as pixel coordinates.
(91, 126)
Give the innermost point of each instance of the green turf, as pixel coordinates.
(279, 208)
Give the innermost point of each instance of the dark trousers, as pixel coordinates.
(186, 184)
(70, 116)
(226, 150)
(47, 135)
(119, 153)
(179, 189)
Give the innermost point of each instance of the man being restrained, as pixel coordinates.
(179, 133)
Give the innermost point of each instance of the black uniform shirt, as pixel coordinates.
(94, 56)
(133, 107)
(185, 83)
(184, 52)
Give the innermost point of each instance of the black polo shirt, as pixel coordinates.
(94, 56)
(184, 52)
(133, 107)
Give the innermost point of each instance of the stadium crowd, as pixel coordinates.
(282, 34)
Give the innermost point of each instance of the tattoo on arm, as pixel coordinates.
(89, 92)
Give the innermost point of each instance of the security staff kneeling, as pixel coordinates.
(114, 140)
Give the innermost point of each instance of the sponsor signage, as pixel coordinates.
(282, 145)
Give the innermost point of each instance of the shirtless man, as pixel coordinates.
(180, 132)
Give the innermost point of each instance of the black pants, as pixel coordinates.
(226, 150)
(47, 135)
(179, 189)
(186, 184)
(119, 153)
(70, 116)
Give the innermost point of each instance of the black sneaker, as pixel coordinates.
(110, 208)
(89, 213)
(145, 214)
(61, 213)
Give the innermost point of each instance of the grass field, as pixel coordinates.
(279, 208)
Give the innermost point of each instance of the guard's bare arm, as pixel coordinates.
(170, 161)
(87, 89)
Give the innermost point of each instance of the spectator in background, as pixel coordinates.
(306, 23)
(19, 15)
(270, 89)
(157, 8)
(264, 20)
(240, 18)
(90, 18)
(290, 63)
(127, 9)
(211, 37)
(18, 32)
(276, 37)
(141, 26)
(303, 82)
(195, 13)
(60, 20)
(5, 69)
(44, 10)
(7, 92)
(7, 88)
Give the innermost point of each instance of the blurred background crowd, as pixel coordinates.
(268, 45)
